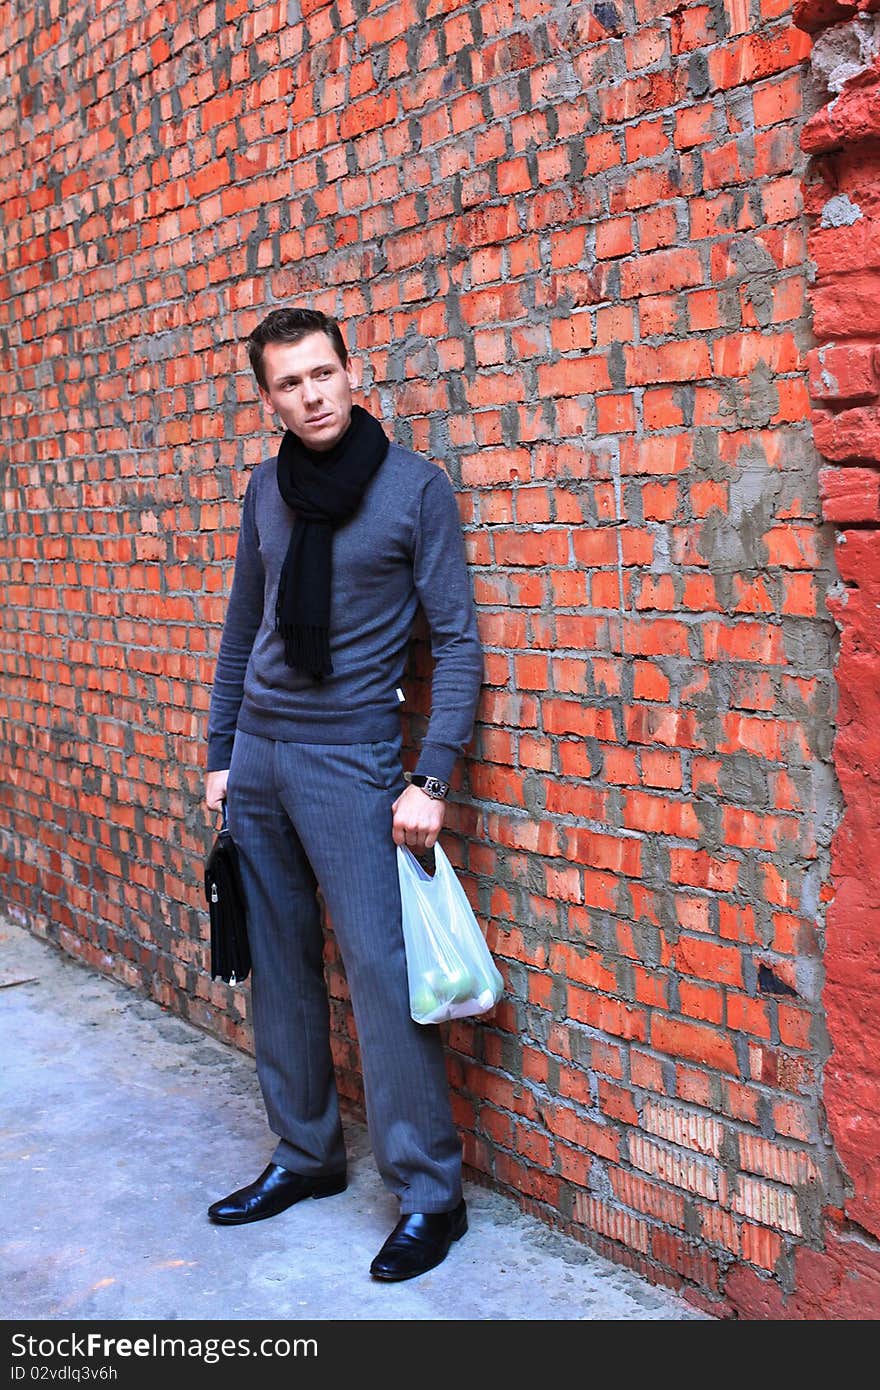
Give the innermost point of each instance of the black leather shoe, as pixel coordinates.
(275, 1190)
(419, 1242)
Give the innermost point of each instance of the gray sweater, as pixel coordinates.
(402, 547)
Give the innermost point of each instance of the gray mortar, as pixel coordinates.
(842, 52)
(733, 541)
(754, 400)
(840, 211)
(742, 778)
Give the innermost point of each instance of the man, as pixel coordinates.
(342, 536)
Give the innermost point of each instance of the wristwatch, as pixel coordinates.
(431, 786)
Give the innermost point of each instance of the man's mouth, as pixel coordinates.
(318, 419)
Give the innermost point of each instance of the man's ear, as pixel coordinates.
(267, 400)
(353, 372)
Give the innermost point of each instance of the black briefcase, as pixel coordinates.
(224, 890)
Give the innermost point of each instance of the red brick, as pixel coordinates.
(746, 1015)
(686, 361)
(844, 372)
(617, 1103)
(683, 1170)
(702, 1002)
(708, 961)
(656, 1201)
(850, 494)
(607, 1015)
(690, 1040)
(761, 1246)
(658, 814)
(663, 270)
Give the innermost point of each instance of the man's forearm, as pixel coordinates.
(444, 588)
(243, 617)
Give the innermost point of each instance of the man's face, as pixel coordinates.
(309, 389)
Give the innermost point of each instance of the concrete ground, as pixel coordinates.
(120, 1123)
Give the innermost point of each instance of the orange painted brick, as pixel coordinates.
(581, 1131)
(586, 968)
(791, 1119)
(634, 1191)
(650, 682)
(661, 271)
(658, 315)
(645, 139)
(620, 766)
(575, 1085)
(573, 332)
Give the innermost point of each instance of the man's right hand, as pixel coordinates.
(215, 789)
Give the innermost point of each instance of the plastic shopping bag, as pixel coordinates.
(451, 973)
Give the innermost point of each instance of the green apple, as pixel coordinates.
(460, 983)
(424, 1002)
(438, 982)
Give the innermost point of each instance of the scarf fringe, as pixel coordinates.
(307, 648)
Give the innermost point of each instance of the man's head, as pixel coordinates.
(303, 372)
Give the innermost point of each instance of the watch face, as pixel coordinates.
(431, 786)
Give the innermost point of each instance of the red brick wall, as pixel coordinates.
(843, 202)
(569, 246)
(845, 385)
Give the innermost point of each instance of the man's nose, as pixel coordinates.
(311, 393)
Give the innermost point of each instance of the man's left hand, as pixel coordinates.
(418, 819)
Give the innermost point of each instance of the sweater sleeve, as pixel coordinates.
(243, 616)
(444, 588)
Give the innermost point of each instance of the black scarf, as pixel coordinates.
(324, 490)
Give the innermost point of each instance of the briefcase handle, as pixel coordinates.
(225, 814)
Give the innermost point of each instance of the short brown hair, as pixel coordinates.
(289, 326)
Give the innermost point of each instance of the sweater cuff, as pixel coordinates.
(436, 760)
(220, 754)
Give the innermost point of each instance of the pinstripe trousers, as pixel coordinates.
(308, 816)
